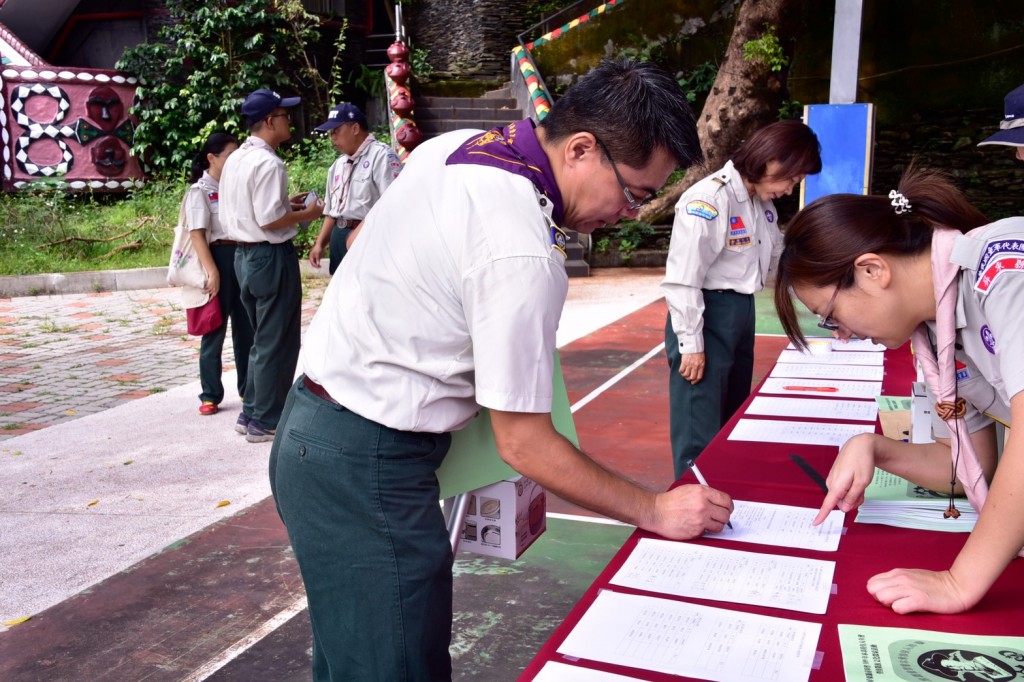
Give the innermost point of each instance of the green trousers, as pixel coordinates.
(360, 502)
(212, 345)
(271, 291)
(698, 412)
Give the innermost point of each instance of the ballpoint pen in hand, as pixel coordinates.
(704, 482)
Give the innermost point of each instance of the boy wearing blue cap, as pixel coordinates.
(1011, 128)
(259, 215)
(355, 180)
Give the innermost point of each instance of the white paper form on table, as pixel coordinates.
(848, 345)
(849, 410)
(796, 432)
(782, 525)
(678, 638)
(808, 370)
(822, 388)
(687, 569)
(553, 671)
(832, 358)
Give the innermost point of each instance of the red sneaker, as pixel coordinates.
(208, 408)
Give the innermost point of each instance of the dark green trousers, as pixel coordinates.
(698, 412)
(339, 235)
(211, 346)
(271, 291)
(360, 502)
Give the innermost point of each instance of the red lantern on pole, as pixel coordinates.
(402, 102)
(398, 52)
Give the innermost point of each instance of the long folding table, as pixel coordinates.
(764, 472)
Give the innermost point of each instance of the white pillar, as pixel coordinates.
(845, 52)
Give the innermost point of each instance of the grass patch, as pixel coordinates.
(45, 230)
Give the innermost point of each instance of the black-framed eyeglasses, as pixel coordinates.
(634, 205)
(828, 322)
(286, 114)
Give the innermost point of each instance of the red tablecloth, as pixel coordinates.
(763, 472)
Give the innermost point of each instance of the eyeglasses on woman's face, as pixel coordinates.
(827, 321)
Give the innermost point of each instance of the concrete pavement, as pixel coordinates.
(106, 459)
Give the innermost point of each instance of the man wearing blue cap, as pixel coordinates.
(1011, 128)
(355, 180)
(259, 215)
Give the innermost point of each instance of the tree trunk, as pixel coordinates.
(746, 95)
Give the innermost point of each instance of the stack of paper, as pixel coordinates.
(894, 501)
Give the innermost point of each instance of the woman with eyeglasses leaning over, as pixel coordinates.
(923, 264)
(725, 243)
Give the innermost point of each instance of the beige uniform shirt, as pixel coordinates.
(448, 301)
(354, 184)
(990, 322)
(254, 193)
(202, 208)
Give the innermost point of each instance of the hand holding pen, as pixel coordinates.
(703, 481)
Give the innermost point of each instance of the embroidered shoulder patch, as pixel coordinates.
(558, 239)
(999, 257)
(701, 209)
(214, 197)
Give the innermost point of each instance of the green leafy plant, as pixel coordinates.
(790, 109)
(699, 80)
(766, 50)
(631, 234)
(370, 81)
(419, 60)
(308, 162)
(210, 55)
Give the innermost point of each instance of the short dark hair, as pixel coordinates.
(824, 239)
(791, 143)
(215, 144)
(634, 108)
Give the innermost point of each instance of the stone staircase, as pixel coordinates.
(437, 115)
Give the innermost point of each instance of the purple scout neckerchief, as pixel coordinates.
(516, 149)
(941, 373)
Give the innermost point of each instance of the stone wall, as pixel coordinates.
(470, 39)
(948, 140)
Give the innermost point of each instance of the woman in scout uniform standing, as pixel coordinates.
(217, 255)
(725, 242)
(923, 264)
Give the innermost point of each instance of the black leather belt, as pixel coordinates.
(225, 242)
(347, 222)
(318, 390)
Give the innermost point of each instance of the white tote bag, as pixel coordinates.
(184, 268)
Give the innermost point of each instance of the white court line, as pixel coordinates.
(250, 640)
(617, 378)
(245, 643)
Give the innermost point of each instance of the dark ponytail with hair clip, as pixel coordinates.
(215, 144)
(824, 239)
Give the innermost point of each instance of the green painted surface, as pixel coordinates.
(768, 321)
(506, 610)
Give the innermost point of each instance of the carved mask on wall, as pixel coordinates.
(109, 157)
(104, 106)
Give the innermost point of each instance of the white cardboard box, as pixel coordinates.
(920, 415)
(504, 518)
